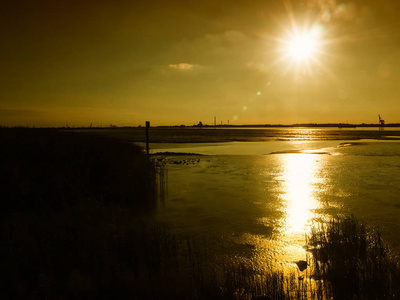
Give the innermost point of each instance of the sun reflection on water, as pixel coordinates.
(295, 184)
(299, 190)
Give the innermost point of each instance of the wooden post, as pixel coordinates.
(147, 136)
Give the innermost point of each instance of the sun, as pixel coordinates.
(302, 46)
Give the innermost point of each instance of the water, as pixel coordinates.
(257, 200)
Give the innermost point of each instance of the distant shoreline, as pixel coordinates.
(297, 125)
(220, 134)
(242, 134)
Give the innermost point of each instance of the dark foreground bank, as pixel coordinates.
(46, 169)
(77, 223)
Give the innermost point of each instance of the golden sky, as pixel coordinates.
(180, 62)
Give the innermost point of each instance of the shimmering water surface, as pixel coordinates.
(257, 200)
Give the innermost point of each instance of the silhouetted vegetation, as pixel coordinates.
(44, 169)
(354, 260)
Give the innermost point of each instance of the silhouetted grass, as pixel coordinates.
(45, 168)
(97, 250)
(354, 260)
(68, 202)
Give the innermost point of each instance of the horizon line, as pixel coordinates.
(339, 125)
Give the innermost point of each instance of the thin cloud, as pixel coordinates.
(181, 66)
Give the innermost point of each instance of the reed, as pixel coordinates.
(354, 260)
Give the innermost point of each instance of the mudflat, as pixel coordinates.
(220, 134)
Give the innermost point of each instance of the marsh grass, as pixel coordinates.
(45, 168)
(97, 250)
(354, 260)
(93, 249)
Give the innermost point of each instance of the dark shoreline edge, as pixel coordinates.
(175, 153)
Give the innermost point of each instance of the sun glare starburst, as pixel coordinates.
(303, 47)
(301, 50)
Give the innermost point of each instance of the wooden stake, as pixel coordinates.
(147, 136)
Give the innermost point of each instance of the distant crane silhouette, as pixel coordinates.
(381, 122)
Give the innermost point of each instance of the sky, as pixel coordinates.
(176, 62)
